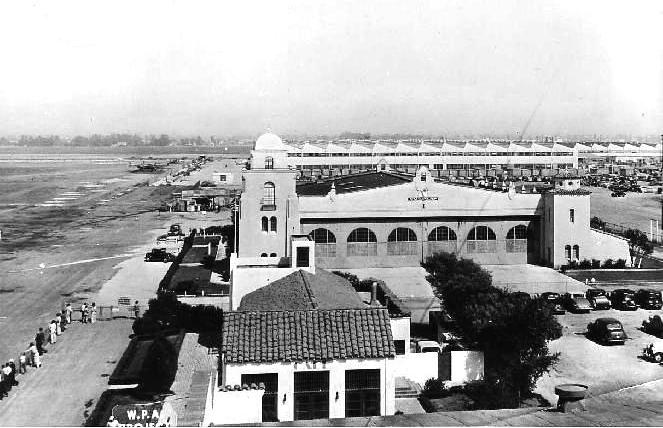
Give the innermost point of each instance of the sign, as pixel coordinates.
(157, 414)
(423, 198)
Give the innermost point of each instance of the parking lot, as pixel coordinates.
(602, 368)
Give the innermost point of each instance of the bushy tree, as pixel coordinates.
(597, 223)
(511, 329)
(639, 245)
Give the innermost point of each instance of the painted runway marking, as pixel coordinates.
(74, 263)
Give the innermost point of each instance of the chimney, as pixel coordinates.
(209, 248)
(374, 294)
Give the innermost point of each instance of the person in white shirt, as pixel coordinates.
(52, 329)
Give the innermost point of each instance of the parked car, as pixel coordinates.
(555, 300)
(159, 255)
(648, 299)
(598, 298)
(428, 346)
(606, 331)
(654, 326)
(622, 299)
(175, 230)
(577, 303)
(654, 352)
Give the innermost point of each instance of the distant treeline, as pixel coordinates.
(97, 140)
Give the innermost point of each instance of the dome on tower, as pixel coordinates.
(269, 141)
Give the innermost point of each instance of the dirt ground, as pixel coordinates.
(633, 210)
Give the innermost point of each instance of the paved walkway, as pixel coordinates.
(73, 375)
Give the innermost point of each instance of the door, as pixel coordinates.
(269, 399)
(362, 393)
(311, 395)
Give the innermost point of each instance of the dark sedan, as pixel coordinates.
(598, 298)
(606, 331)
(622, 299)
(555, 300)
(648, 299)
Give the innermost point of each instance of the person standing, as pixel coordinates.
(84, 312)
(67, 313)
(12, 375)
(52, 329)
(22, 363)
(58, 324)
(6, 370)
(136, 310)
(36, 358)
(40, 339)
(93, 313)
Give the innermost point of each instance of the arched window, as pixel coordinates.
(516, 239)
(481, 239)
(362, 243)
(576, 252)
(442, 233)
(272, 224)
(268, 201)
(567, 252)
(402, 241)
(322, 236)
(481, 233)
(272, 255)
(265, 224)
(362, 234)
(269, 162)
(401, 234)
(325, 242)
(263, 255)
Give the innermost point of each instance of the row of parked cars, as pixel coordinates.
(622, 299)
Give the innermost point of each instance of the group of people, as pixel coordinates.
(32, 356)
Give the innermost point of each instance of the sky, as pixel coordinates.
(323, 67)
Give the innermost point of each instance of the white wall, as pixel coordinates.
(400, 330)
(417, 366)
(237, 407)
(233, 375)
(466, 366)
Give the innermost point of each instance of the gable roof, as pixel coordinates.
(312, 335)
(352, 183)
(302, 290)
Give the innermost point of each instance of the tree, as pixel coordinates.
(638, 245)
(511, 329)
(597, 223)
(160, 366)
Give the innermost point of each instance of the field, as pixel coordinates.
(632, 211)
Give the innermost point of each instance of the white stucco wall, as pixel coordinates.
(400, 330)
(237, 407)
(233, 375)
(418, 367)
(606, 246)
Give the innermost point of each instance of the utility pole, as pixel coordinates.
(661, 180)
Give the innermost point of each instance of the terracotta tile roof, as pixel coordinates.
(302, 290)
(352, 183)
(312, 335)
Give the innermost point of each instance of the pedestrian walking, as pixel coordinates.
(40, 340)
(84, 311)
(52, 330)
(67, 313)
(22, 363)
(93, 313)
(58, 322)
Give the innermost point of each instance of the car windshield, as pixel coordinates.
(654, 294)
(614, 326)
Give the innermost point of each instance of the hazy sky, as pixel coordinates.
(322, 67)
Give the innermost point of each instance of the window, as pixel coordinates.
(400, 347)
(402, 241)
(222, 177)
(265, 224)
(270, 397)
(362, 243)
(272, 224)
(263, 255)
(268, 201)
(481, 233)
(269, 162)
(311, 395)
(423, 176)
(362, 393)
(572, 215)
(567, 252)
(576, 252)
(325, 242)
(302, 257)
(516, 239)
(402, 234)
(272, 255)
(442, 233)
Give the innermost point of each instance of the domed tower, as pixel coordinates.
(269, 208)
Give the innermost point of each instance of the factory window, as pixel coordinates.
(362, 243)
(268, 201)
(572, 215)
(567, 252)
(576, 252)
(265, 224)
(269, 162)
(442, 233)
(402, 242)
(516, 239)
(481, 239)
(325, 242)
(272, 224)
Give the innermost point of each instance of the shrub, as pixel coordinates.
(620, 264)
(434, 388)
(585, 264)
(573, 264)
(596, 264)
(608, 264)
(352, 279)
(160, 366)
